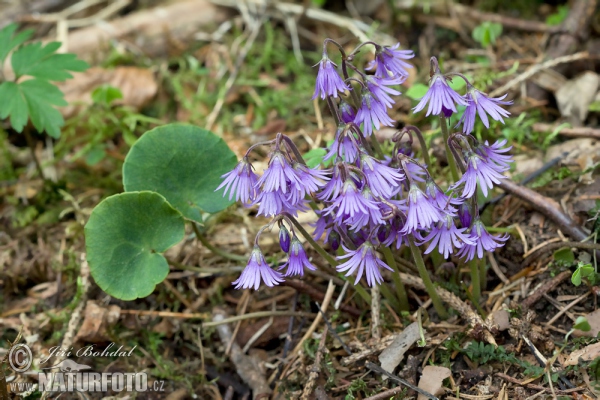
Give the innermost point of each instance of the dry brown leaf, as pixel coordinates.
(501, 319)
(96, 321)
(394, 353)
(588, 353)
(432, 379)
(137, 85)
(593, 319)
(575, 96)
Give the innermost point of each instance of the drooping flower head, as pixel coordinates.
(440, 96)
(389, 61)
(308, 180)
(478, 170)
(379, 87)
(241, 181)
(256, 270)
(444, 235)
(494, 154)
(441, 199)
(329, 83)
(422, 213)
(364, 260)
(370, 219)
(297, 260)
(351, 204)
(342, 146)
(333, 187)
(384, 181)
(479, 103)
(278, 175)
(371, 113)
(482, 240)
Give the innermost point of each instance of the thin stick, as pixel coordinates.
(317, 320)
(496, 269)
(567, 308)
(534, 69)
(333, 332)
(316, 368)
(375, 312)
(579, 131)
(548, 207)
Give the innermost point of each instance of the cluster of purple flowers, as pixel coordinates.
(365, 199)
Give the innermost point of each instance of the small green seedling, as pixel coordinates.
(487, 33)
(584, 272)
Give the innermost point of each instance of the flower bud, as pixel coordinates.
(464, 215)
(383, 233)
(284, 238)
(334, 240)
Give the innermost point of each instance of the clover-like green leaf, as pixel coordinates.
(43, 62)
(125, 237)
(9, 40)
(35, 99)
(184, 163)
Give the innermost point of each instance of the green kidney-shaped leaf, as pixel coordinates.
(184, 163)
(124, 238)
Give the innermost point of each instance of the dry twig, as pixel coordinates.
(479, 328)
(316, 368)
(582, 131)
(246, 369)
(534, 69)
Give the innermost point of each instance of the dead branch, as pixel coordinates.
(479, 328)
(584, 131)
(546, 206)
(316, 368)
(547, 287)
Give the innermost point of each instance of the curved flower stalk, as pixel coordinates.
(367, 202)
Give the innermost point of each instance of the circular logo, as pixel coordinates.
(20, 357)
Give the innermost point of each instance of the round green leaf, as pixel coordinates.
(124, 238)
(184, 163)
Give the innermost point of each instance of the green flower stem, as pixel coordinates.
(435, 299)
(376, 146)
(482, 274)
(332, 261)
(499, 229)
(215, 250)
(475, 280)
(449, 154)
(390, 297)
(401, 290)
